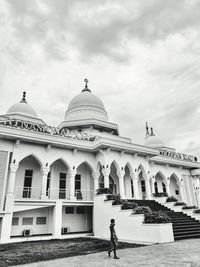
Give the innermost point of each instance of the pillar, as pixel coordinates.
(72, 185)
(95, 175)
(106, 173)
(9, 204)
(11, 188)
(57, 219)
(120, 175)
(167, 186)
(134, 177)
(45, 172)
(148, 188)
(182, 196)
(152, 185)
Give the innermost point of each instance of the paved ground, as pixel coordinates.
(181, 253)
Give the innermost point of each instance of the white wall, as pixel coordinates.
(127, 185)
(128, 227)
(17, 230)
(77, 222)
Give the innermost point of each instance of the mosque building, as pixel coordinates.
(49, 175)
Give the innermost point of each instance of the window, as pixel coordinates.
(69, 210)
(176, 192)
(164, 188)
(27, 221)
(156, 187)
(15, 221)
(78, 182)
(41, 220)
(80, 210)
(27, 183)
(62, 185)
(132, 190)
(48, 183)
(143, 188)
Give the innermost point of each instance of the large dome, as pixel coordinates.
(22, 108)
(86, 106)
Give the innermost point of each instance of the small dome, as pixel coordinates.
(22, 108)
(86, 106)
(152, 140)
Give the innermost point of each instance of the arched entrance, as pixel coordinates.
(160, 183)
(84, 182)
(57, 182)
(28, 178)
(174, 187)
(141, 183)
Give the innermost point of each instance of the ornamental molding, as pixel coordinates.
(77, 134)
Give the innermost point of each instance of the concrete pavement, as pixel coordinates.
(184, 253)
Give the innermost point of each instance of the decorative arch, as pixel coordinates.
(116, 165)
(142, 169)
(34, 156)
(128, 165)
(62, 160)
(88, 164)
(162, 175)
(176, 177)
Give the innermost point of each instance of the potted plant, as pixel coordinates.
(156, 217)
(142, 210)
(101, 191)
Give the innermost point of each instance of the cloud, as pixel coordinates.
(141, 57)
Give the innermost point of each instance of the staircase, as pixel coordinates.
(184, 226)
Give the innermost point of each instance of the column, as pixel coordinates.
(152, 185)
(182, 197)
(134, 177)
(45, 172)
(11, 188)
(95, 175)
(9, 204)
(106, 173)
(121, 174)
(167, 187)
(57, 219)
(72, 185)
(148, 188)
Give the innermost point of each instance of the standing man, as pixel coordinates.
(113, 239)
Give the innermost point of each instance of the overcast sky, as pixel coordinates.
(142, 58)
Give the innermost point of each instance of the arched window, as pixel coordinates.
(132, 189)
(156, 187)
(164, 188)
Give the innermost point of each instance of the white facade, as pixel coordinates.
(49, 175)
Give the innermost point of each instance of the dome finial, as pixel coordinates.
(147, 128)
(24, 98)
(86, 89)
(152, 133)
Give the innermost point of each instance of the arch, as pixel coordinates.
(175, 176)
(128, 165)
(88, 164)
(62, 160)
(34, 156)
(116, 165)
(162, 175)
(142, 169)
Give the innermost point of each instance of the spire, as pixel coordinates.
(147, 128)
(86, 89)
(147, 131)
(152, 133)
(23, 98)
